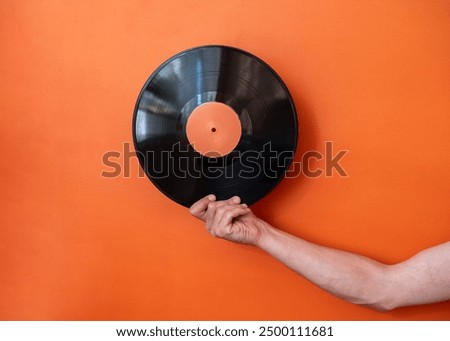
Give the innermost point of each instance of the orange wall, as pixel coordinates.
(372, 76)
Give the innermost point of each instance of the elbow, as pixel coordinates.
(381, 306)
(373, 298)
(377, 302)
(386, 298)
(389, 299)
(380, 293)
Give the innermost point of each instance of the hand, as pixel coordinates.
(228, 219)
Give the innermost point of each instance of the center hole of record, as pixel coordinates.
(213, 129)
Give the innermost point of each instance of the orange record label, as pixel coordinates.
(213, 129)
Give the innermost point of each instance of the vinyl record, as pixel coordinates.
(215, 119)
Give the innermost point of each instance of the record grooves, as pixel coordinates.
(215, 119)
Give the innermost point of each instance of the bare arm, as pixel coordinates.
(424, 278)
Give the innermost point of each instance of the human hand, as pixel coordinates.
(228, 219)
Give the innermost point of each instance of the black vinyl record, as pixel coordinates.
(252, 90)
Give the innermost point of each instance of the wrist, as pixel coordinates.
(262, 233)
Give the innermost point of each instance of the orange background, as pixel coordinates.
(371, 76)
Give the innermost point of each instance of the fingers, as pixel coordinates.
(213, 206)
(199, 208)
(219, 215)
(209, 202)
(224, 218)
(220, 221)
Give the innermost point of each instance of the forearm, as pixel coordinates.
(352, 277)
(424, 278)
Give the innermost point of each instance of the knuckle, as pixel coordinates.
(221, 209)
(219, 233)
(213, 233)
(228, 215)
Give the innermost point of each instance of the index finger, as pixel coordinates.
(198, 209)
